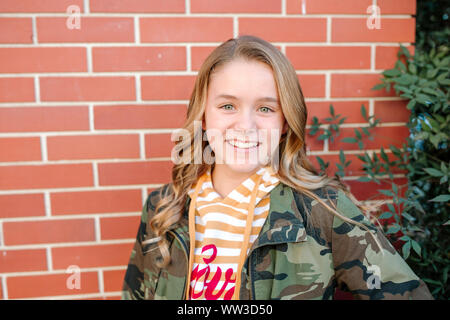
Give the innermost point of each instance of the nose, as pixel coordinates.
(246, 121)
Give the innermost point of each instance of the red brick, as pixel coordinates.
(103, 201)
(357, 85)
(327, 6)
(22, 60)
(235, 6)
(35, 119)
(19, 30)
(48, 231)
(139, 117)
(120, 6)
(113, 280)
(90, 256)
(41, 6)
(46, 176)
(386, 57)
(329, 57)
(23, 260)
(349, 109)
(20, 149)
(47, 285)
(22, 205)
(17, 90)
(139, 58)
(312, 144)
(167, 87)
(392, 111)
(119, 227)
(285, 29)
(198, 56)
(356, 30)
(158, 145)
(186, 29)
(93, 147)
(397, 6)
(126, 173)
(92, 29)
(313, 85)
(365, 191)
(383, 137)
(87, 88)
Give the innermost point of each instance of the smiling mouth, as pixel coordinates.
(243, 145)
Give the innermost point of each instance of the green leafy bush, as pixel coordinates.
(417, 215)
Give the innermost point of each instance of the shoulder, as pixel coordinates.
(318, 209)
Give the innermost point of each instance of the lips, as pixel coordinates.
(243, 144)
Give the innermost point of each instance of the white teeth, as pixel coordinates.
(243, 145)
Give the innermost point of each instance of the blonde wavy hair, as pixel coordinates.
(294, 170)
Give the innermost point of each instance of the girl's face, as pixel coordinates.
(243, 117)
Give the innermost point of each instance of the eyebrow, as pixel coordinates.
(228, 96)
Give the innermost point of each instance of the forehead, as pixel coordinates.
(242, 78)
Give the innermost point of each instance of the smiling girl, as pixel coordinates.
(257, 222)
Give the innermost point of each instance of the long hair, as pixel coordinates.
(294, 170)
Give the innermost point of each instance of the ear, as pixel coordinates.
(285, 127)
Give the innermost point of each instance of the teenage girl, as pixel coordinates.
(246, 216)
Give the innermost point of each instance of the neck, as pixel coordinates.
(225, 180)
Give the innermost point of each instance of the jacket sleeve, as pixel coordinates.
(134, 285)
(362, 268)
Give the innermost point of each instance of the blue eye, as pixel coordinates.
(223, 107)
(268, 109)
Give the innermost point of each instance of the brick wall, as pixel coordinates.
(86, 114)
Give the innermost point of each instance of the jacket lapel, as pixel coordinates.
(284, 223)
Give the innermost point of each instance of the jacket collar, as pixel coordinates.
(283, 224)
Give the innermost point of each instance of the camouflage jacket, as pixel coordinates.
(302, 252)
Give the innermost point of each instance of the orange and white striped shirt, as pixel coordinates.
(220, 225)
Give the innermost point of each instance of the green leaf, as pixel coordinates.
(331, 110)
(364, 112)
(365, 131)
(432, 73)
(386, 192)
(384, 155)
(412, 68)
(349, 140)
(441, 198)
(341, 156)
(385, 215)
(392, 73)
(379, 86)
(433, 172)
(404, 51)
(411, 104)
(393, 229)
(408, 216)
(406, 249)
(416, 247)
(405, 238)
